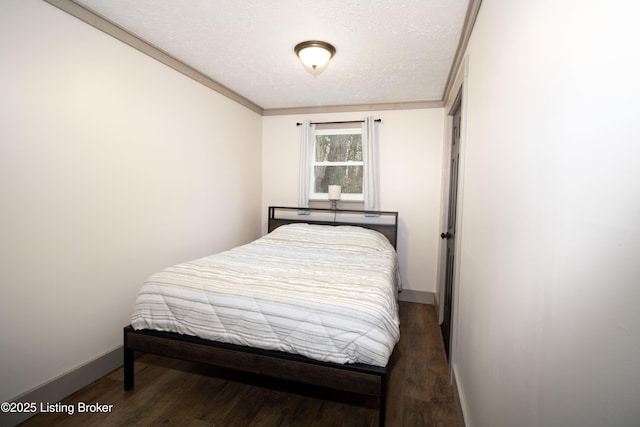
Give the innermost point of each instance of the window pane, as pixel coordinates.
(339, 148)
(349, 177)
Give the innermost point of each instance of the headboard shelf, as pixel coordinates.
(384, 222)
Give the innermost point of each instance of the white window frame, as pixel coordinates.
(350, 197)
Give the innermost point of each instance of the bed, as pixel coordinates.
(314, 301)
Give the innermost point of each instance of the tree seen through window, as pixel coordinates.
(338, 161)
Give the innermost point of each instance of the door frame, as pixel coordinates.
(459, 87)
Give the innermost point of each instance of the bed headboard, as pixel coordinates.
(384, 222)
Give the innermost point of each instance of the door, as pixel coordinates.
(449, 234)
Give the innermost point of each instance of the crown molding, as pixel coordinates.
(101, 23)
(353, 108)
(469, 22)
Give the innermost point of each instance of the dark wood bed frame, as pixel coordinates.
(355, 378)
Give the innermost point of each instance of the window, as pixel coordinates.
(337, 160)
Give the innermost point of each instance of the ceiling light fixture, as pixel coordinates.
(315, 55)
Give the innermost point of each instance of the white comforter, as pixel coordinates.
(324, 292)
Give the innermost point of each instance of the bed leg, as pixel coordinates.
(383, 400)
(128, 365)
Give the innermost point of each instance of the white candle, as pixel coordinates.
(334, 192)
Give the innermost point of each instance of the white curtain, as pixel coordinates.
(370, 153)
(306, 144)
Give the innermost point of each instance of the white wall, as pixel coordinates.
(549, 325)
(410, 179)
(112, 166)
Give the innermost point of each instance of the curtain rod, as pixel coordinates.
(336, 123)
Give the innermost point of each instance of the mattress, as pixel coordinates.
(324, 292)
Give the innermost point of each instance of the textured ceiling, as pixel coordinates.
(388, 51)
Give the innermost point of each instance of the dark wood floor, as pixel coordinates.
(175, 393)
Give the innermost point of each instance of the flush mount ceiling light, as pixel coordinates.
(315, 55)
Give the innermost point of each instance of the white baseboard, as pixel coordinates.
(420, 297)
(64, 385)
(459, 397)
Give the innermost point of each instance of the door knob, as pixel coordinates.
(445, 235)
